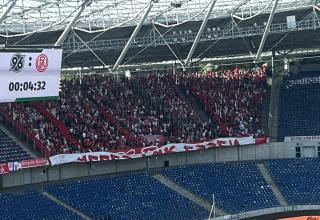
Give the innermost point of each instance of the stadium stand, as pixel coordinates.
(233, 98)
(32, 205)
(132, 196)
(39, 127)
(99, 113)
(298, 179)
(298, 92)
(237, 187)
(77, 109)
(10, 151)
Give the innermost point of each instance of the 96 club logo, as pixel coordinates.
(17, 62)
(42, 63)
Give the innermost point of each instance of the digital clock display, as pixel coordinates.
(30, 76)
(32, 86)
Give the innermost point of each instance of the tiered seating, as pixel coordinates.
(80, 113)
(37, 125)
(111, 113)
(237, 187)
(187, 126)
(232, 98)
(32, 205)
(134, 196)
(299, 106)
(10, 151)
(150, 105)
(298, 179)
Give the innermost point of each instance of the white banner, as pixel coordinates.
(14, 166)
(27, 76)
(302, 138)
(149, 151)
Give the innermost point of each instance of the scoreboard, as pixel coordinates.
(30, 76)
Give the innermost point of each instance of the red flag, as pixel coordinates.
(4, 168)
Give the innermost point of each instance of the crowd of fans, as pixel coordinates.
(187, 126)
(235, 97)
(115, 112)
(79, 112)
(36, 124)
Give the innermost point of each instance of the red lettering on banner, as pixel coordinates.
(236, 142)
(168, 150)
(187, 148)
(148, 149)
(131, 151)
(221, 143)
(144, 152)
(82, 158)
(211, 144)
(200, 147)
(93, 158)
(114, 157)
(157, 152)
(104, 157)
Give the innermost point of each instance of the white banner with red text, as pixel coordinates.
(152, 150)
(302, 138)
(15, 166)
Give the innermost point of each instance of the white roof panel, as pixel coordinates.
(29, 16)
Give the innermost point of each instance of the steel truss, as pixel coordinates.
(28, 16)
(231, 32)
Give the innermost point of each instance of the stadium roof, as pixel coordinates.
(28, 16)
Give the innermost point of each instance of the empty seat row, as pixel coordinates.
(133, 196)
(298, 179)
(237, 187)
(10, 151)
(32, 205)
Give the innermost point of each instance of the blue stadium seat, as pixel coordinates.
(10, 151)
(298, 179)
(297, 93)
(237, 186)
(32, 205)
(133, 196)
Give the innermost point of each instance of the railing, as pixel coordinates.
(24, 133)
(110, 118)
(155, 40)
(57, 123)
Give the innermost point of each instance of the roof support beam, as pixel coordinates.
(203, 25)
(267, 29)
(8, 9)
(70, 25)
(134, 34)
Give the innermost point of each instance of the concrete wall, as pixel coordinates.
(76, 170)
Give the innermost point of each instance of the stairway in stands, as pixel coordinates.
(110, 118)
(274, 107)
(265, 109)
(186, 193)
(193, 102)
(211, 113)
(62, 203)
(56, 122)
(25, 146)
(265, 173)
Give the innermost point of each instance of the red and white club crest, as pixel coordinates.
(42, 63)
